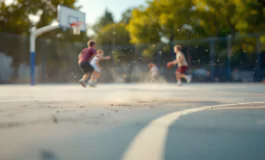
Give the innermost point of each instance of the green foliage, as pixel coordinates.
(126, 16)
(116, 36)
(184, 20)
(114, 33)
(253, 19)
(178, 19)
(123, 55)
(106, 19)
(142, 29)
(14, 18)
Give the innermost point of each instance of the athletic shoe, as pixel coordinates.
(91, 84)
(188, 79)
(179, 84)
(82, 82)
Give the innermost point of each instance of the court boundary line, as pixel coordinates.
(150, 142)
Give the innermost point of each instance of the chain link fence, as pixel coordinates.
(240, 58)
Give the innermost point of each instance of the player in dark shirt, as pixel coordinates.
(84, 59)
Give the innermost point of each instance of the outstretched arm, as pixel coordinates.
(103, 58)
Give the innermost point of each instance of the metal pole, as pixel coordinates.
(212, 54)
(258, 51)
(33, 34)
(32, 55)
(229, 54)
(1, 66)
(173, 55)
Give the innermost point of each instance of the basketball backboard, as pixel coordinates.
(67, 16)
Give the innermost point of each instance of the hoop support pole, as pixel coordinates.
(34, 33)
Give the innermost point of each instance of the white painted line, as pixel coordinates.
(149, 144)
(239, 108)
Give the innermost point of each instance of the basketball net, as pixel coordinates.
(76, 27)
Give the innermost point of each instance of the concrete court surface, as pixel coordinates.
(136, 121)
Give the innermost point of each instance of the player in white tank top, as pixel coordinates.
(95, 64)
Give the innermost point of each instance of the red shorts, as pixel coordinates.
(182, 69)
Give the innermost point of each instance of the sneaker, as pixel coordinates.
(82, 82)
(91, 84)
(188, 79)
(179, 84)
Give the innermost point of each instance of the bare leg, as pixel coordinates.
(178, 76)
(183, 76)
(83, 80)
(95, 76)
(85, 77)
(98, 75)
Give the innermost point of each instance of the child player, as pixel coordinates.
(153, 71)
(84, 59)
(95, 64)
(182, 65)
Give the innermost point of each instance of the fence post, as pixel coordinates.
(212, 61)
(258, 51)
(43, 67)
(172, 53)
(229, 54)
(1, 67)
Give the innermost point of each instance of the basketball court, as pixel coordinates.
(128, 121)
(70, 122)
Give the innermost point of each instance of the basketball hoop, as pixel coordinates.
(76, 27)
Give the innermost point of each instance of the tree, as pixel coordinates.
(183, 20)
(200, 18)
(252, 21)
(116, 37)
(161, 20)
(230, 16)
(126, 16)
(14, 19)
(113, 33)
(106, 19)
(113, 37)
(168, 19)
(16, 15)
(142, 28)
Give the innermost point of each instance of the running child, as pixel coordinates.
(95, 64)
(84, 59)
(153, 71)
(182, 65)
